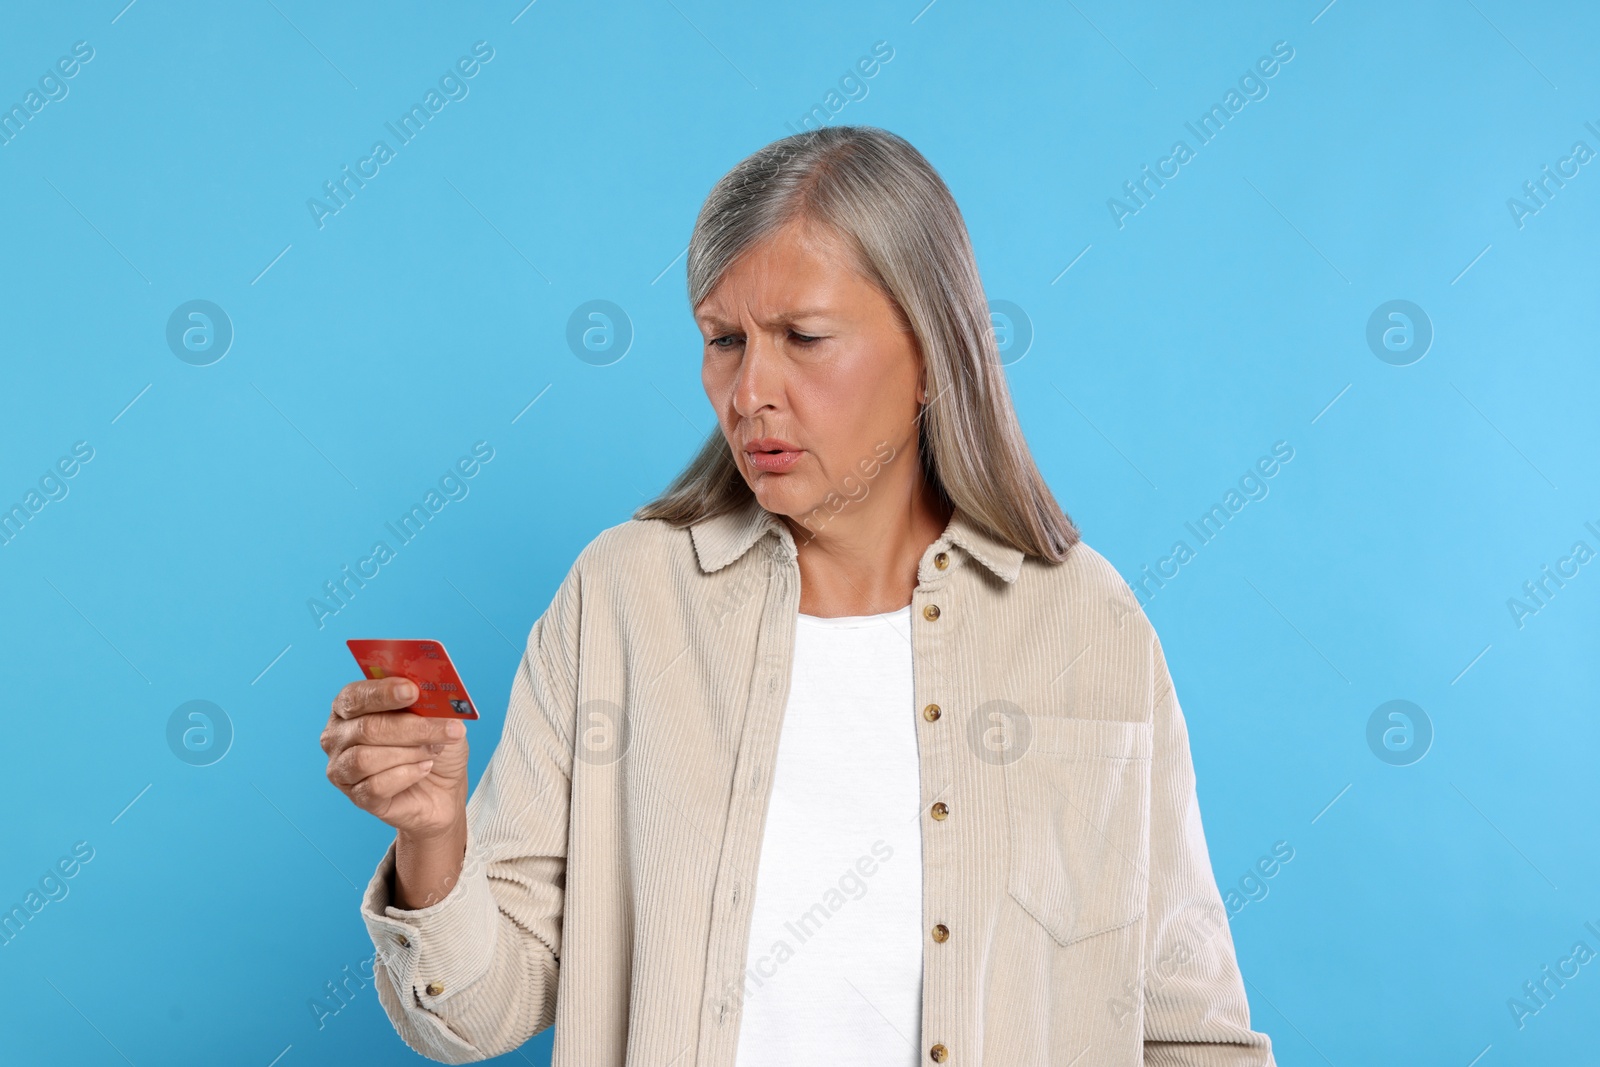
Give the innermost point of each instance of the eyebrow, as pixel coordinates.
(717, 322)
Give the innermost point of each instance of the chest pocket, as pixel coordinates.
(1078, 807)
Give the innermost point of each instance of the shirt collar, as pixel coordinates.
(721, 539)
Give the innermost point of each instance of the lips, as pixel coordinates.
(772, 455)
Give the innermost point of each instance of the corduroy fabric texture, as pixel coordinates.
(614, 835)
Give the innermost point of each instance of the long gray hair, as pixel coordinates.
(876, 191)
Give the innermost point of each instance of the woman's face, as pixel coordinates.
(815, 383)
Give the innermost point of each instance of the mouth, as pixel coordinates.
(772, 455)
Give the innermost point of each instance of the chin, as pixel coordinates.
(782, 495)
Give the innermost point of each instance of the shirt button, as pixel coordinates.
(931, 712)
(402, 940)
(434, 989)
(937, 1053)
(940, 811)
(941, 933)
(942, 560)
(931, 612)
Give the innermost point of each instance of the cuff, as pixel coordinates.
(438, 951)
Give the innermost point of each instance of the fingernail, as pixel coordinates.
(425, 766)
(453, 728)
(406, 691)
(436, 749)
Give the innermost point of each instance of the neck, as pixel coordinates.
(863, 561)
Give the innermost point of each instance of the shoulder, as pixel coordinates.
(1090, 590)
(1100, 620)
(623, 568)
(633, 549)
(1084, 565)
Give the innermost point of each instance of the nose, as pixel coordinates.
(759, 384)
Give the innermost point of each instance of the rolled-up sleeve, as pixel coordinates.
(474, 975)
(1196, 1012)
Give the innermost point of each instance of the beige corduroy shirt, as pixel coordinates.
(615, 833)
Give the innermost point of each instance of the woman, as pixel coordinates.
(846, 749)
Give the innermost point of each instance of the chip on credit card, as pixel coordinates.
(440, 692)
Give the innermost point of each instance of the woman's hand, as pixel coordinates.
(409, 771)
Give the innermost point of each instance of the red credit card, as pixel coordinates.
(441, 693)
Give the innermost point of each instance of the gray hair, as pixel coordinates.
(878, 193)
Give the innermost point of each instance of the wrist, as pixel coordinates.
(435, 839)
(447, 843)
(428, 865)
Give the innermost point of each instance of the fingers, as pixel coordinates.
(388, 728)
(360, 762)
(373, 695)
(399, 728)
(376, 793)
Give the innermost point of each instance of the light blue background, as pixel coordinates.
(1228, 314)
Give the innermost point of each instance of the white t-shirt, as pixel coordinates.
(834, 968)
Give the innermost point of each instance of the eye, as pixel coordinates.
(716, 342)
(802, 338)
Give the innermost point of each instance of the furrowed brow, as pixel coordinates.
(784, 318)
